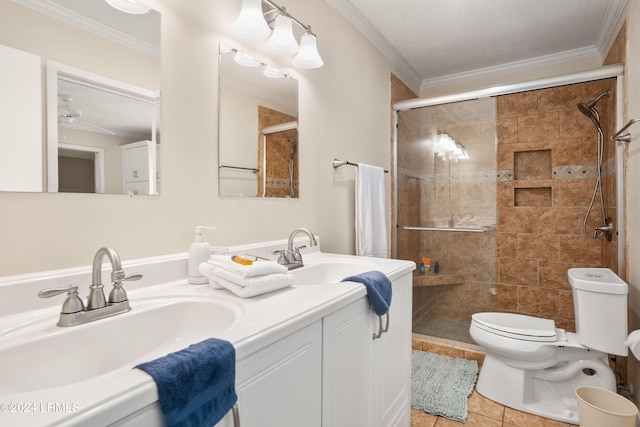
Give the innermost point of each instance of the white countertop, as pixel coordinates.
(261, 321)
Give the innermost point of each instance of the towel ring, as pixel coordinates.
(381, 330)
(236, 415)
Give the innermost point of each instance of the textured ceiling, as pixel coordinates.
(442, 40)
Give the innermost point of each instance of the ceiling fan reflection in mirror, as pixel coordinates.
(68, 114)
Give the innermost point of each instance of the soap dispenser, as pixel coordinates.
(199, 252)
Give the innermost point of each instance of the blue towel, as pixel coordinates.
(196, 384)
(378, 289)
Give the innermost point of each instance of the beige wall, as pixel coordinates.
(344, 113)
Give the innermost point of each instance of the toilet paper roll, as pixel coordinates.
(633, 342)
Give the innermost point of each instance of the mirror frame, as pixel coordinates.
(55, 71)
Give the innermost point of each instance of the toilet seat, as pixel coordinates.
(517, 326)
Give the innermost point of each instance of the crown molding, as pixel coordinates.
(258, 91)
(82, 22)
(512, 67)
(612, 16)
(353, 16)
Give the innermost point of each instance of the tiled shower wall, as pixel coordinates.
(543, 179)
(279, 148)
(547, 161)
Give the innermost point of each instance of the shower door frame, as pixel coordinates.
(609, 71)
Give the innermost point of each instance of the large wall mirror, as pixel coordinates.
(258, 128)
(80, 84)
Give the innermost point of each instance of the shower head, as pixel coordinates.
(587, 109)
(590, 112)
(593, 101)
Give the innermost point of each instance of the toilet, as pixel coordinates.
(532, 366)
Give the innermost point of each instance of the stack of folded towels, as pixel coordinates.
(246, 281)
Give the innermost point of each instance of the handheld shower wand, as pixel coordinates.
(588, 109)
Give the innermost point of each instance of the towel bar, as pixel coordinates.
(627, 137)
(381, 330)
(236, 415)
(254, 170)
(337, 163)
(460, 229)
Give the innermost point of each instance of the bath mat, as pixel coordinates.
(441, 385)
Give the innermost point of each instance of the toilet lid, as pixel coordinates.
(516, 326)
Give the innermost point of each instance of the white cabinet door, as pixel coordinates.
(281, 385)
(367, 382)
(277, 386)
(135, 158)
(347, 367)
(392, 364)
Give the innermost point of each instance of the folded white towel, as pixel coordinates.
(245, 287)
(258, 268)
(249, 291)
(285, 279)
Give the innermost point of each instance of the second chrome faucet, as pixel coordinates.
(291, 257)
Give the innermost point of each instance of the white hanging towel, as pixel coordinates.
(371, 227)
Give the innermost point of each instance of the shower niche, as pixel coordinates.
(534, 167)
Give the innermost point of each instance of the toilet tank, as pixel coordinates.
(600, 304)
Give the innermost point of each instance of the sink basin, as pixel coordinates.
(57, 356)
(332, 271)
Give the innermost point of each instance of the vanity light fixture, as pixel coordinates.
(308, 56)
(273, 73)
(134, 7)
(447, 148)
(251, 24)
(244, 59)
(282, 40)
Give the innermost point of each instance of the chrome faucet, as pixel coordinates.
(74, 311)
(291, 257)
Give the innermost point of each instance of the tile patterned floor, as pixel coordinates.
(482, 411)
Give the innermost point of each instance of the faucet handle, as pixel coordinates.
(297, 256)
(73, 303)
(282, 259)
(118, 294)
(133, 277)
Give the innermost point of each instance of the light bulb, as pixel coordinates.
(251, 24)
(273, 73)
(308, 56)
(244, 59)
(282, 41)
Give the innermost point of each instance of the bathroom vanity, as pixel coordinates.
(305, 355)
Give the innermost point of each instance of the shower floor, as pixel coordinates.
(440, 327)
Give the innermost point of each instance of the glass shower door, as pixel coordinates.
(447, 181)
